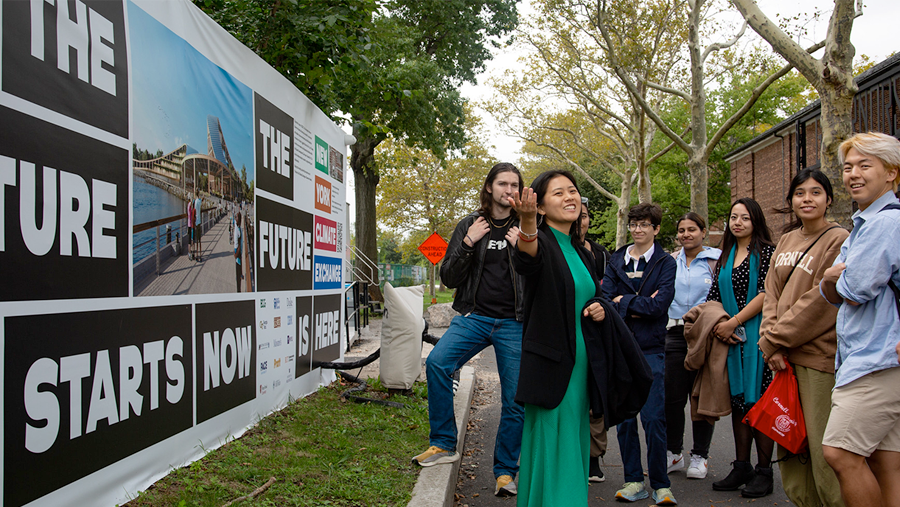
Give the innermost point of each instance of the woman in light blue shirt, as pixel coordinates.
(696, 267)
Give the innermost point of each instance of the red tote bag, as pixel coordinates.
(778, 415)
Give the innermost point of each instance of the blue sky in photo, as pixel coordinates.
(175, 87)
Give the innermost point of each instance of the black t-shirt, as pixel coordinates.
(495, 296)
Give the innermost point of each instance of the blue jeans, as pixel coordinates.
(467, 336)
(653, 419)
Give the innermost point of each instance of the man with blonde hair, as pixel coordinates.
(862, 438)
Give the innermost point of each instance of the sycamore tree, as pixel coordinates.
(565, 102)
(428, 49)
(671, 173)
(421, 193)
(706, 60)
(831, 76)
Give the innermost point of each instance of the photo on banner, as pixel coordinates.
(193, 144)
(127, 351)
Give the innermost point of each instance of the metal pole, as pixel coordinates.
(157, 250)
(433, 295)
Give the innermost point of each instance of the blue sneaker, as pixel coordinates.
(632, 492)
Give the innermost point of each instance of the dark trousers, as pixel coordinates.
(654, 422)
(237, 276)
(679, 383)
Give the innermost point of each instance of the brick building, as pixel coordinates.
(763, 168)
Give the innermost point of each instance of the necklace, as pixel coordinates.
(806, 236)
(491, 220)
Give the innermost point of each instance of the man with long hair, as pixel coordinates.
(479, 265)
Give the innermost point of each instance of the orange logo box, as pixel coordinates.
(323, 195)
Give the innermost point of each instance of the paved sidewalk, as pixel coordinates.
(475, 485)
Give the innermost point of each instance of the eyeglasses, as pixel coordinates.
(644, 226)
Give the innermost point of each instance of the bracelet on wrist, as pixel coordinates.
(470, 239)
(738, 321)
(523, 239)
(526, 235)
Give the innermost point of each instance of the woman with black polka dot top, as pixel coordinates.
(740, 286)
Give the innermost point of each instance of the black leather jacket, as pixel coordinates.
(462, 265)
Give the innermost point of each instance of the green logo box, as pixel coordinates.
(321, 155)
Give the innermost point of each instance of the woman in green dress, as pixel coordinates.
(553, 378)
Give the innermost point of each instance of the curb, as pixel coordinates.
(436, 485)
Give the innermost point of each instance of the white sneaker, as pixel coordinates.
(674, 462)
(699, 467)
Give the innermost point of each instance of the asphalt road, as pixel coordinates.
(475, 486)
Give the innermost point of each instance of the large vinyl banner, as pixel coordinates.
(171, 245)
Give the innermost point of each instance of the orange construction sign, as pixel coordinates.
(434, 248)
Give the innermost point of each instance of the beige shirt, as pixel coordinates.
(796, 317)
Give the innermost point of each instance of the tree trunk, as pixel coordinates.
(699, 170)
(832, 77)
(698, 155)
(362, 161)
(623, 204)
(837, 126)
(431, 281)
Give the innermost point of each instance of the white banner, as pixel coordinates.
(171, 246)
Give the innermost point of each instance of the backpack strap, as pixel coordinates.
(891, 284)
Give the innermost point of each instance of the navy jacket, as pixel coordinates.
(646, 316)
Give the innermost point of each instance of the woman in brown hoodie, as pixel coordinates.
(798, 325)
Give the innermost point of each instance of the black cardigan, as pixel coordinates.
(547, 361)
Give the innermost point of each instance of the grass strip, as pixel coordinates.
(322, 450)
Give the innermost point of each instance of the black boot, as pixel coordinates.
(741, 473)
(595, 474)
(761, 484)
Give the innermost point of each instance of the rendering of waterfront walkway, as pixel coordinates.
(181, 275)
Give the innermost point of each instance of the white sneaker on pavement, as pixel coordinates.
(674, 462)
(698, 468)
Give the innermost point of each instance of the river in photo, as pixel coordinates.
(153, 203)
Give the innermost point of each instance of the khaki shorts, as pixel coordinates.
(865, 414)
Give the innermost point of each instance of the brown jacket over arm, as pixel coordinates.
(711, 394)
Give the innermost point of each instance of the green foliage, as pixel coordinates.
(389, 247)
(323, 47)
(322, 450)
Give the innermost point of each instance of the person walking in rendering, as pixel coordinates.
(480, 265)
(198, 228)
(238, 252)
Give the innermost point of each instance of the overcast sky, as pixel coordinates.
(872, 35)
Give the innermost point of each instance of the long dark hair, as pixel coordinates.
(759, 237)
(540, 184)
(486, 200)
(798, 180)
